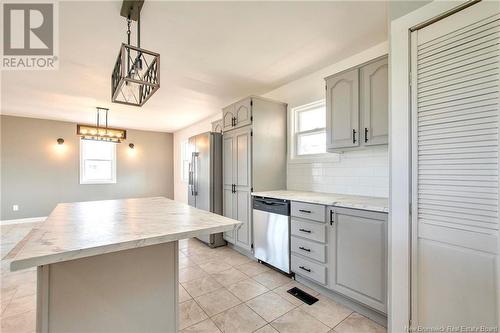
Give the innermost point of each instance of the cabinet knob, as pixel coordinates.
(353, 135)
(305, 269)
(366, 134)
(305, 230)
(304, 249)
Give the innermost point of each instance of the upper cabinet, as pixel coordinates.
(357, 107)
(342, 105)
(375, 102)
(238, 114)
(217, 126)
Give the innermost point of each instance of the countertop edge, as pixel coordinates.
(21, 264)
(340, 204)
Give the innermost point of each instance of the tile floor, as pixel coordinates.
(220, 291)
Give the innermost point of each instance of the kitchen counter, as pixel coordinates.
(83, 229)
(112, 265)
(330, 199)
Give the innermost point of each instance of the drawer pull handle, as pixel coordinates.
(305, 269)
(303, 248)
(305, 211)
(305, 230)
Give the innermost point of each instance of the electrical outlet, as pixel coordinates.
(15, 208)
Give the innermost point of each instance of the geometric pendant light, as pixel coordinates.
(136, 74)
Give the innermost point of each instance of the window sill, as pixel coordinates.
(98, 182)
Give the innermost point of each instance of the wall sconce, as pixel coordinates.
(60, 141)
(131, 145)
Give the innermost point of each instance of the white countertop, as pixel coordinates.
(330, 199)
(83, 229)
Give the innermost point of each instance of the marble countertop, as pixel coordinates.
(330, 199)
(83, 229)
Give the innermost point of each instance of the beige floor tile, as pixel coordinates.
(267, 329)
(240, 319)
(270, 306)
(327, 311)
(205, 256)
(252, 268)
(190, 313)
(217, 301)
(185, 261)
(282, 291)
(247, 289)
(357, 323)
(183, 294)
(206, 326)
(201, 286)
(214, 266)
(229, 277)
(191, 273)
(235, 259)
(272, 279)
(20, 305)
(299, 321)
(22, 323)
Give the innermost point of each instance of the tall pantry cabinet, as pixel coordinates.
(254, 159)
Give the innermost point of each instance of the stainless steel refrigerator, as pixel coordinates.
(205, 178)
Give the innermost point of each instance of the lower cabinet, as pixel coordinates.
(357, 252)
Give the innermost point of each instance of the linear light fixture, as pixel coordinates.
(136, 74)
(100, 133)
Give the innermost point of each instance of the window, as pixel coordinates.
(309, 129)
(97, 162)
(185, 160)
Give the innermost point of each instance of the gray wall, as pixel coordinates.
(36, 174)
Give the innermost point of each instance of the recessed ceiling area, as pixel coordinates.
(212, 53)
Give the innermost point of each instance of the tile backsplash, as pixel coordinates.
(360, 172)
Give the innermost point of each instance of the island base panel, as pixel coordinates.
(133, 290)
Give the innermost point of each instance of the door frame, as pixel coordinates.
(400, 164)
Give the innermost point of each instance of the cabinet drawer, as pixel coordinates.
(309, 269)
(310, 230)
(308, 249)
(308, 211)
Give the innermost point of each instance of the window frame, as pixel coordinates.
(295, 157)
(84, 181)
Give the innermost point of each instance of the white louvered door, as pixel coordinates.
(455, 161)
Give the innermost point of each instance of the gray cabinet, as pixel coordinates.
(342, 105)
(375, 102)
(357, 107)
(254, 135)
(238, 114)
(236, 155)
(357, 253)
(217, 126)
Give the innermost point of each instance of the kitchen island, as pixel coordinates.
(112, 265)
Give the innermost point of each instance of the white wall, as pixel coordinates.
(180, 187)
(361, 172)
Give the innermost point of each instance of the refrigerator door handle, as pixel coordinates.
(194, 158)
(190, 177)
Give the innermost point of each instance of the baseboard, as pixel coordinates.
(25, 220)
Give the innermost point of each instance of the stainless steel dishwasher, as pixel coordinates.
(271, 232)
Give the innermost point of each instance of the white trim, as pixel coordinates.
(293, 158)
(400, 163)
(98, 182)
(25, 220)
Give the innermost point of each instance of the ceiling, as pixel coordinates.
(212, 53)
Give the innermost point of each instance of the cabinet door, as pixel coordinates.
(229, 211)
(342, 110)
(243, 112)
(217, 126)
(375, 103)
(243, 174)
(227, 117)
(228, 170)
(358, 256)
